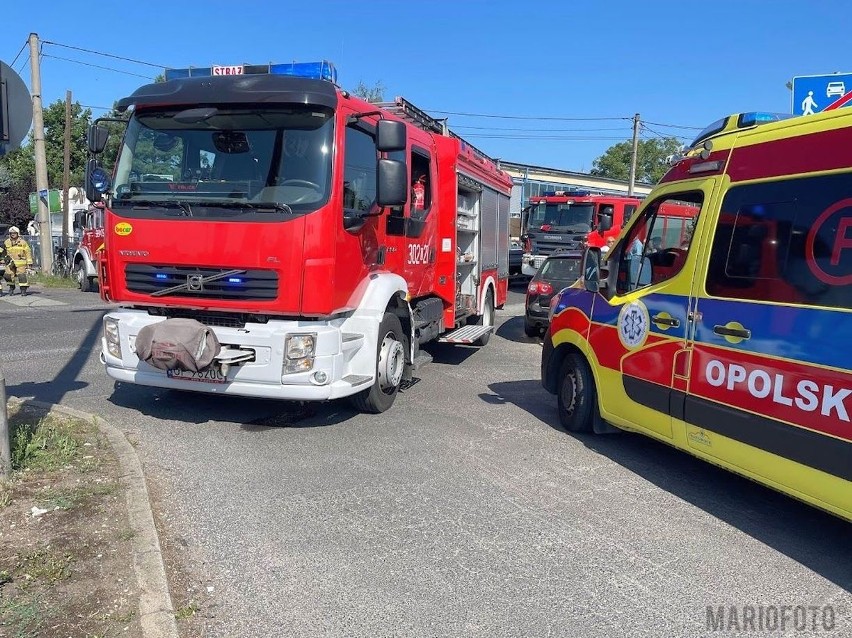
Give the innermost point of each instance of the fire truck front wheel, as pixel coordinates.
(390, 365)
(79, 275)
(577, 395)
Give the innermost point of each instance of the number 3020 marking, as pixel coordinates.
(418, 254)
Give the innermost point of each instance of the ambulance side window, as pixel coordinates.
(786, 242)
(657, 246)
(359, 171)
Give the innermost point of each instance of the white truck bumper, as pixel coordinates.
(328, 377)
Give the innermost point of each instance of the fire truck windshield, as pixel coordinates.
(225, 163)
(562, 217)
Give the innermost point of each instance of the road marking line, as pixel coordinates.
(31, 301)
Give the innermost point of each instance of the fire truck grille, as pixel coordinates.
(190, 281)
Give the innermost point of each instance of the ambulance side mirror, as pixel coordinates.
(594, 275)
(391, 183)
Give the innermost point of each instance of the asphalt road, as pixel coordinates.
(463, 511)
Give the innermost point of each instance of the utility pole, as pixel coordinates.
(5, 443)
(66, 174)
(45, 236)
(635, 154)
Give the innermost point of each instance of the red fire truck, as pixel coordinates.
(266, 215)
(571, 220)
(89, 227)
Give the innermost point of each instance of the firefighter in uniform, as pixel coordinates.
(18, 250)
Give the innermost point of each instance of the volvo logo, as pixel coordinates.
(195, 283)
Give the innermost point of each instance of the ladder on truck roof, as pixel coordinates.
(405, 110)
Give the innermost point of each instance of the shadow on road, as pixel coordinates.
(66, 380)
(513, 330)
(815, 539)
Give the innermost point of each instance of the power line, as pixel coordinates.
(691, 128)
(529, 117)
(97, 108)
(23, 46)
(96, 66)
(539, 130)
(661, 135)
(107, 55)
(543, 137)
(21, 70)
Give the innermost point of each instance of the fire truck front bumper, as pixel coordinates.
(289, 360)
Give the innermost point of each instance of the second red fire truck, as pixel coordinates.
(269, 234)
(571, 220)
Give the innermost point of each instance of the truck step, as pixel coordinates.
(465, 334)
(356, 379)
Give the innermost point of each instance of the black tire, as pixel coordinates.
(577, 395)
(486, 318)
(382, 393)
(531, 330)
(78, 273)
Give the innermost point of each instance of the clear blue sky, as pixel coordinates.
(674, 62)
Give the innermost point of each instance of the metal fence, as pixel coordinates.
(35, 246)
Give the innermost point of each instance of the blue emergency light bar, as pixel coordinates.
(750, 119)
(566, 193)
(322, 70)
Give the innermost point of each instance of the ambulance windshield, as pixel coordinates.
(225, 163)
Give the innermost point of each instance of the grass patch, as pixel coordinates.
(52, 281)
(5, 494)
(65, 499)
(187, 611)
(25, 617)
(46, 445)
(43, 564)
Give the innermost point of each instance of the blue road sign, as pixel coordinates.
(813, 93)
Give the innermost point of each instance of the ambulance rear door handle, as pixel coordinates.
(725, 331)
(666, 321)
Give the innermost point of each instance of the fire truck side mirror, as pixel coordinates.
(391, 183)
(97, 138)
(605, 222)
(390, 136)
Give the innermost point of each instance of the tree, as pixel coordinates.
(651, 162)
(375, 93)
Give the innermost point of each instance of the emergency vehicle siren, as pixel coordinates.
(323, 70)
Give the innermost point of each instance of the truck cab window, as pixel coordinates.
(359, 173)
(421, 184)
(657, 246)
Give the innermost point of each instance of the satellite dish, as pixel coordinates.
(16, 109)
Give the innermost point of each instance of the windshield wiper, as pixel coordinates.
(184, 207)
(278, 207)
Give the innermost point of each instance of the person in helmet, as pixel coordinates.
(19, 252)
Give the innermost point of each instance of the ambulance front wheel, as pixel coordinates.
(390, 364)
(577, 396)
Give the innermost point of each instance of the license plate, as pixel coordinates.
(211, 375)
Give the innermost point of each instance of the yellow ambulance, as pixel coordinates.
(721, 321)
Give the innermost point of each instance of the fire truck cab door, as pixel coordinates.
(642, 330)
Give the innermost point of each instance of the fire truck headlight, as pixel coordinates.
(113, 340)
(299, 352)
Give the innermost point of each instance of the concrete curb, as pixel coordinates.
(156, 612)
